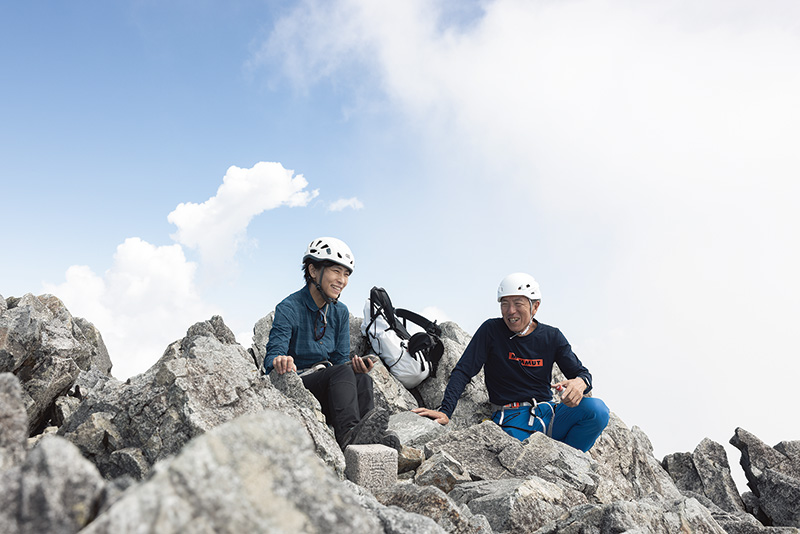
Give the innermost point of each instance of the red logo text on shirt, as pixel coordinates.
(525, 362)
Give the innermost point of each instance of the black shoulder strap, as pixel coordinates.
(381, 304)
(430, 326)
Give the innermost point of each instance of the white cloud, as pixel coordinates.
(146, 300)
(342, 203)
(217, 227)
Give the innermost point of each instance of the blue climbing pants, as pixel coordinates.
(578, 427)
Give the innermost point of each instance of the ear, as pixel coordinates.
(312, 271)
(535, 307)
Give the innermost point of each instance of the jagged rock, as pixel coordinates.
(758, 456)
(627, 468)
(477, 449)
(395, 520)
(389, 392)
(706, 472)
(64, 407)
(200, 382)
(13, 420)
(261, 337)
(680, 467)
(649, 514)
(291, 385)
(206, 380)
(434, 503)
(46, 348)
(415, 430)
(100, 359)
(737, 522)
(473, 406)
(54, 490)
(779, 498)
(517, 505)
(551, 460)
(443, 471)
(359, 344)
(773, 474)
(409, 459)
(257, 473)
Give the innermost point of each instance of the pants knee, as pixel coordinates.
(598, 410)
(364, 382)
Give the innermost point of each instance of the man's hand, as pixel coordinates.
(439, 417)
(361, 365)
(283, 364)
(571, 391)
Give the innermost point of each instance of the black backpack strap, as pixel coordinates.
(381, 304)
(430, 326)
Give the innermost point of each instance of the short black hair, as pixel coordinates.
(318, 264)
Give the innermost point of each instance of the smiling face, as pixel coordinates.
(334, 279)
(517, 312)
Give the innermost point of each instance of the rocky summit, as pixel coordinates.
(205, 442)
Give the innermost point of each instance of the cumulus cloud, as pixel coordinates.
(218, 226)
(146, 300)
(342, 203)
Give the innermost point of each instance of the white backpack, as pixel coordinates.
(411, 359)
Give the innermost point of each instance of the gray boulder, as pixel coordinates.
(257, 473)
(477, 449)
(443, 471)
(415, 430)
(359, 344)
(758, 456)
(517, 505)
(390, 393)
(779, 498)
(626, 467)
(737, 522)
(650, 514)
(432, 502)
(261, 337)
(46, 348)
(13, 421)
(553, 461)
(707, 472)
(394, 519)
(200, 382)
(54, 490)
(773, 475)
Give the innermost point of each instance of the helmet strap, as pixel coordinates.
(524, 332)
(328, 300)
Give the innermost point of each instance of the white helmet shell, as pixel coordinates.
(519, 284)
(331, 249)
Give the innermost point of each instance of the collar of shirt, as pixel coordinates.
(308, 299)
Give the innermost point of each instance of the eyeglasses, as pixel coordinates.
(319, 329)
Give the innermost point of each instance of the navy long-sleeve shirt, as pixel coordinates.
(515, 370)
(292, 332)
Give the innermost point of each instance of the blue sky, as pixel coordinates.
(165, 161)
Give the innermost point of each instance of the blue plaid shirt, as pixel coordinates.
(292, 334)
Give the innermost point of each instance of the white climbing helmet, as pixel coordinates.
(331, 249)
(519, 284)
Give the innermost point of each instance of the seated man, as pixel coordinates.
(311, 335)
(517, 353)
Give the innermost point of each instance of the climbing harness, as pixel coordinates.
(547, 429)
